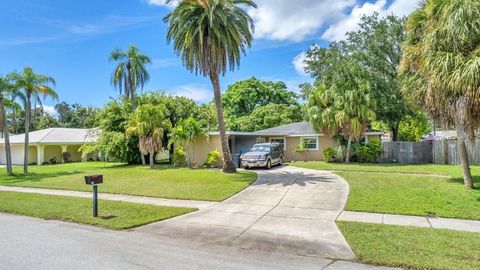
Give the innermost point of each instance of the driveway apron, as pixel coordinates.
(287, 210)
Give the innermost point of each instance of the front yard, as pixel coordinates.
(112, 215)
(162, 182)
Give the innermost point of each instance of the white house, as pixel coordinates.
(47, 144)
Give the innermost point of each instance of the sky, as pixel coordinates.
(71, 41)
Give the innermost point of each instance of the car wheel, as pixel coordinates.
(269, 164)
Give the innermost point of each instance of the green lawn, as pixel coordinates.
(112, 215)
(382, 189)
(414, 248)
(162, 182)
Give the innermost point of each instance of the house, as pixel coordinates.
(440, 135)
(290, 136)
(48, 144)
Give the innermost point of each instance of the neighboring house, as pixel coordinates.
(290, 136)
(47, 144)
(440, 135)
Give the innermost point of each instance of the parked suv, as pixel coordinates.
(263, 155)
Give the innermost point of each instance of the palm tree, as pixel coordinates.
(34, 86)
(344, 111)
(440, 67)
(130, 72)
(210, 36)
(185, 133)
(6, 88)
(149, 123)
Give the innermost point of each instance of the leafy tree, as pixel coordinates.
(440, 67)
(342, 102)
(46, 121)
(33, 86)
(376, 48)
(76, 115)
(149, 123)
(415, 126)
(210, 36)
(6, 89)
(243, 97)
(130, 72)
(269, 116)
(184, 135)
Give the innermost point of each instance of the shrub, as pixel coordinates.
(212, 158)
(329, 154)
(300, 148)
(179, 156)
(66, 156)
(369, 152)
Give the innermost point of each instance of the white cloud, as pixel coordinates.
(294, 20)
(299, 63)
(164, 63)
(162, 3)
(197, 92)
(349, 22)
(50, 110)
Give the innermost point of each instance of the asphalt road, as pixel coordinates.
(29, 243)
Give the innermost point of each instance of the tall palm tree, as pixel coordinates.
(440, 67)
(33, 86)
(6, 88)
(149, 123)
(130, 72)
(210, 36)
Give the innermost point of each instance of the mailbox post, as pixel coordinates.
(94, 180)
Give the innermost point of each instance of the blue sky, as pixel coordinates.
(71, 41)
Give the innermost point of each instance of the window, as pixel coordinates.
(310, 143)
(280, 141)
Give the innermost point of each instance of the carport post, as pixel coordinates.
(40, 154)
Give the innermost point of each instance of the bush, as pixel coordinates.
(66, 156)
(370, 152)
(329, 154)
(212, 158)
(179, 156)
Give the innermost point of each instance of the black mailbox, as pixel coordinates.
(94, 179)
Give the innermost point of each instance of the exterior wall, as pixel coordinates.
(17, 154)
(53, 151)
(203, 146)
(75, 155)
(32, 154)
(244, 143)
(310, 155)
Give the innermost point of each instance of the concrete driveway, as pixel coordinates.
(287, 210)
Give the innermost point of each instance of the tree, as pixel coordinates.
(414, 126)
(440, 67)
(243, 97)
(185, 134)
(268, 116)
(210, 36)
(149, 123)
(76, 115)
(342, 102)
(376, 47)
(34, 86)
(6, 89)
(130, 72)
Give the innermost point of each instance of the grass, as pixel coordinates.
(112, 214)
(386, 188)
(413, 248)
(162, 182)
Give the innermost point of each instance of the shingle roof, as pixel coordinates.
(299, 128)
(57, 136)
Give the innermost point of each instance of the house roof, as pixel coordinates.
(290, 130)
(56, 136)
(441, 134)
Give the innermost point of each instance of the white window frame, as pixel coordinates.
(280, 138)
(302, 139)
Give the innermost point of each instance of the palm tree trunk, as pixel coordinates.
(349, 147)
(152, 162)
(462, 152)
(8, 152)
(27, 130)
(445, 151)
(228, 166)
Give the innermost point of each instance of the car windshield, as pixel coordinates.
(260, 148)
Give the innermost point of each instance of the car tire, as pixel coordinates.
(269, 164)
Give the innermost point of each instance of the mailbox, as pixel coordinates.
(94, 179)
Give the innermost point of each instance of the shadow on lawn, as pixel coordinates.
(36, 177)
(459, 180)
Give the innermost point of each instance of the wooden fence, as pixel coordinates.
(428, 152)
